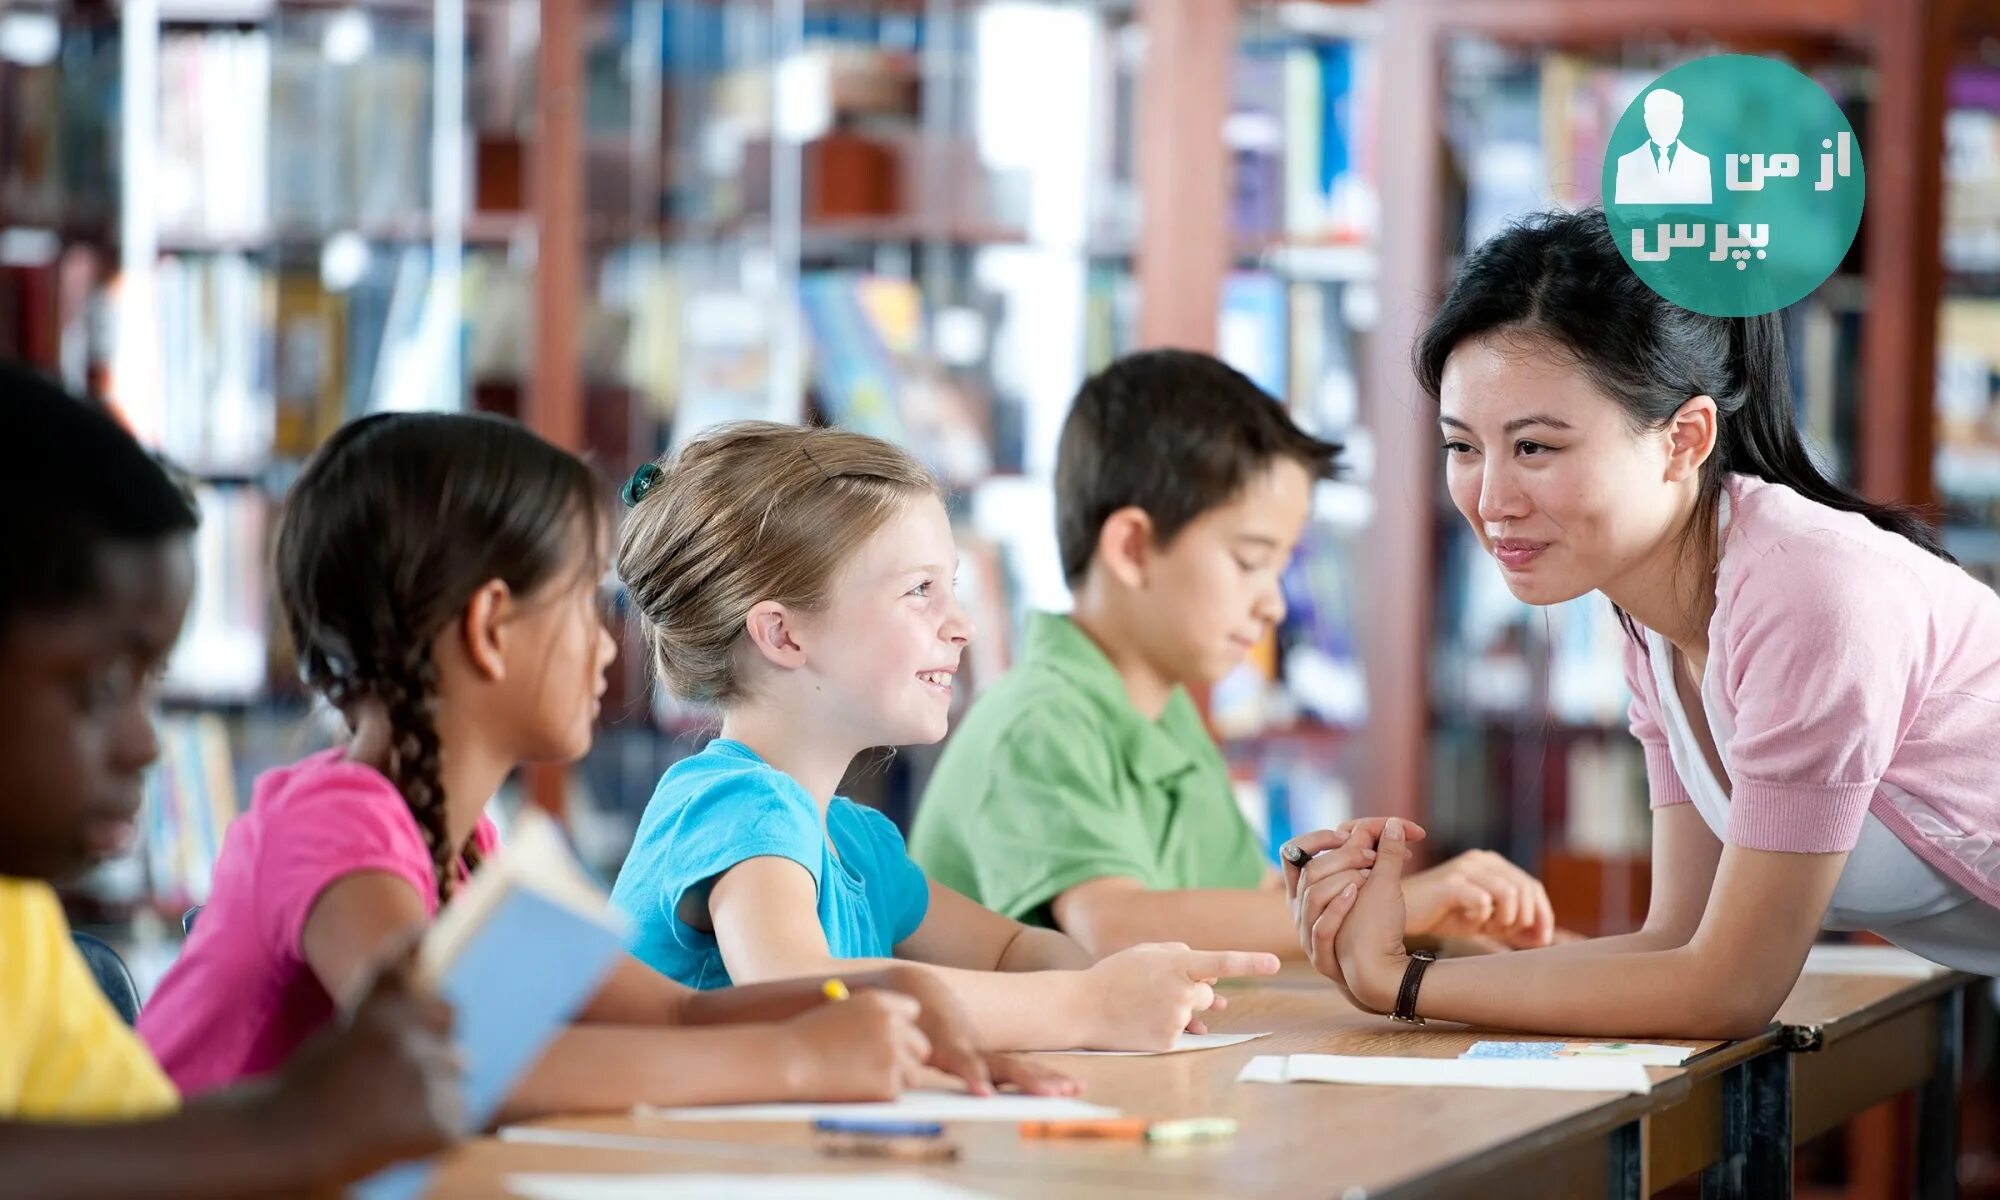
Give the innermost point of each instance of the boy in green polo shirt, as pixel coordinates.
(1083, 790)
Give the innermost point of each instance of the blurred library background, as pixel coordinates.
(620, 221)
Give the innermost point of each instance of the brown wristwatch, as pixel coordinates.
(1413, 978)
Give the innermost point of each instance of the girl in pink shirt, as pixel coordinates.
(439, 579)
(1815, 684)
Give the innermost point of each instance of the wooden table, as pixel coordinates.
(1732, 1114)
(1842, 1044)
(1856, 1041)
(1295, 1140)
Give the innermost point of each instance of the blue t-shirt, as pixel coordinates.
(724, 805)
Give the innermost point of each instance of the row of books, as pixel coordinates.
(1297, 341)
(873, 372)
(852, 95)
(1972, 171)
(204, 778)
(191, 798)
(58, 155)
(1968, 397)
(30, 314)
(1311, 669)
(1286, 790)
(260, 131)
(1300, 133)
(1604, 806)
(1502, 660)
(628, 328)
(258, 365)
(1531, 790)
(215, 145)
(234, 363)
(264, 132)
(224, 652)
(1111, 315)
(1528, 130)
(1967, 464)
(205, 395)
(1823, 338)
(873, 368)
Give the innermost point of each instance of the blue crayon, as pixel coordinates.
(882, 1128)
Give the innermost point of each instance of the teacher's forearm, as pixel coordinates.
(1668, 993)
(1639, 941)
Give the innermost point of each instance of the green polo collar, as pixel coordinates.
(1156, 751)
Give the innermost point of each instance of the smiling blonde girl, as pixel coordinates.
(799, 580)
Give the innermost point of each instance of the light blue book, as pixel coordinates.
(517, 953)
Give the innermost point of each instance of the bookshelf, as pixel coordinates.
(243, 223)
(1967, 464)
(56, 192)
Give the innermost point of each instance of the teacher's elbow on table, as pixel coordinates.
(1730, 1019)
(1725, 999)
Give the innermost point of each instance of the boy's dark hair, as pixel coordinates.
(71, 479)
(391, 528)
(1173, 432)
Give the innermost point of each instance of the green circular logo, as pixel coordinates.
(1733, 185)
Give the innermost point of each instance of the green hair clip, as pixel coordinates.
(643, 480)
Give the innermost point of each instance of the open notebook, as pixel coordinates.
(517, 952)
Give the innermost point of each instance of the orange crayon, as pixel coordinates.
(1110, 1127)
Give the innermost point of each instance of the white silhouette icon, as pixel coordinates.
(1665, 170)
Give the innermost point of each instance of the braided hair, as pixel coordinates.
(389, 532)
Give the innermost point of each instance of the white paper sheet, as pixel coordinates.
(1832, 959)
(1575, 1076)
(1265, 1068)
(913, 1106)
(591, 1139)
(737, 1187)
(1186, 1042)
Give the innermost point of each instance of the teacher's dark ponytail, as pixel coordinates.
(1558, 276)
